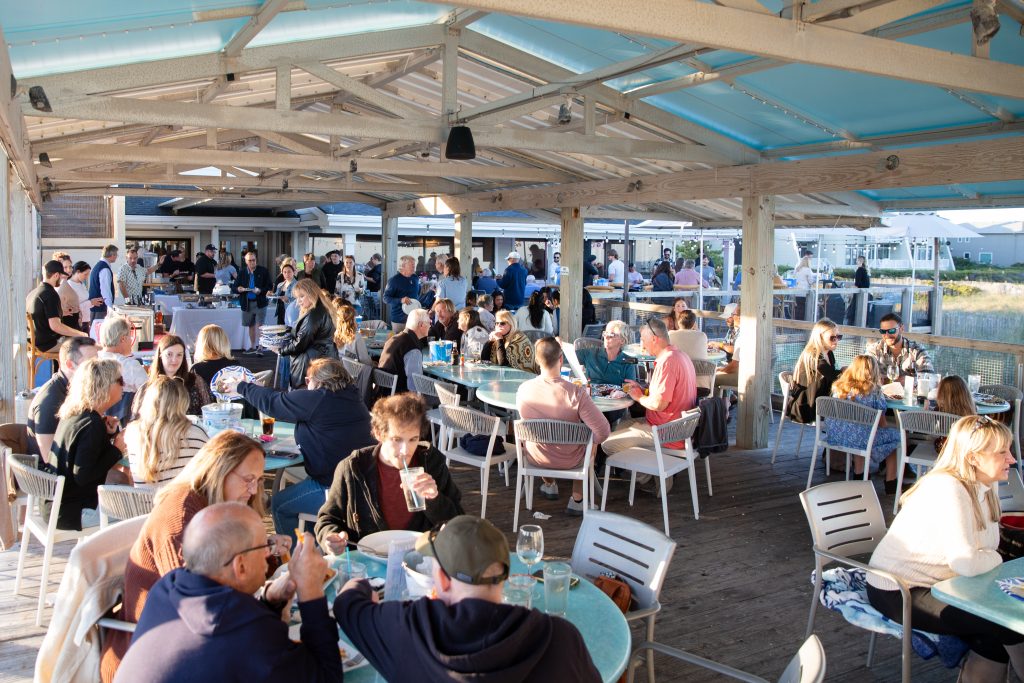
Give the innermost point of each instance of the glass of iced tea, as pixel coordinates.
(268, 424)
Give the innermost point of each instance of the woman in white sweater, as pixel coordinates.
(949, 526)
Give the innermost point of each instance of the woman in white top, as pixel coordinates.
(79, 284)
(162, 441)
(804, 278)
(535, 315)
(453, 286)
(687, 338)
(346, 333)
(351, 283)
(949, 526)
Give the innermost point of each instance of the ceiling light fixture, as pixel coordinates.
(460, 145)
(37, 96)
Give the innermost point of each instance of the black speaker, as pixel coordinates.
(460, 144)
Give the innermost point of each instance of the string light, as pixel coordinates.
(799, 117)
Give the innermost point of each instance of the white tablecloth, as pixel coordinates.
(167, 302)
(186, 323)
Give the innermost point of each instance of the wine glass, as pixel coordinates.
(892, 372)
(530, 545)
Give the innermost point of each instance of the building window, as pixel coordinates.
(985, 257)
(967, 255)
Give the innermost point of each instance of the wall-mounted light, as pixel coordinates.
(44, 160)
(37, 96)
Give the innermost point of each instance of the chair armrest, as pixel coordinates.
(697, 660)
(904, 589)
(643, 612)
(116, 625)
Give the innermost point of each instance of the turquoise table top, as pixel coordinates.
(981, 596)
(503, 395)
(602, 625)
(475, 375)
(284, 442)
(983, 408)
(635, 351)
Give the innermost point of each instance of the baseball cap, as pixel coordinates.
(53, 267)
(513, 255)
(464, 547)
(210, 247)
(729, 310)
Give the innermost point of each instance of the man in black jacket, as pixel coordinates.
(329, 272)
(402, 355)
(252, 286)
(202, 623)
(466, 633)
(206, 270)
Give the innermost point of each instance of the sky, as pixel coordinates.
(983, 217)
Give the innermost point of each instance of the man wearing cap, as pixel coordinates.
(43, 305)
(513, 282)
(466, 632)
(206, 270)
(330, 270)
(729, 373)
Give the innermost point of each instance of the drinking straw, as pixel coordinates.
(348, 562)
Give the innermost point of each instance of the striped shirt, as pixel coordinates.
(194, 439)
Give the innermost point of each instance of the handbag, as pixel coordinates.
(476, 444)
(1011, 535)
(616, 589)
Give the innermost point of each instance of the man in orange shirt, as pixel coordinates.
(672, 392)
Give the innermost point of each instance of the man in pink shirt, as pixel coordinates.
(672, 392)
(553, 398)
(689, 276)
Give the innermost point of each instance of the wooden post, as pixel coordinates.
(389, 254)
(756, 330)
(571, 290)
(464, 246)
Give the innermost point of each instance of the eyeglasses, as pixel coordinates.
(834, 337)
(268, 546)
(251, 482)
(980, 421)
(891, 330)
(609, 335)
(501, 324)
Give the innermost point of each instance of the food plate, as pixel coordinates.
(604, 390)
(988, 400)
(230, 372)
(351, 658)
(1014, 587)
(377, 545)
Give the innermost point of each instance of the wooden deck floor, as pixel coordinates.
(737, 590)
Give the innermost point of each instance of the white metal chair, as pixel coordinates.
(1011, 494)
(382, 380)
(587, 343)
(1014, 397)
(844, 411)
(637, 553)
(372, 325)
(456, 421)
(662, 462)
(432, 388)
(785, 380)
(705, 370)
(557, 432)
(535, 335)
(40, 487)
(846, 520)
(123, 502)
(20, 498)
(806, 666)
(360, 374)
(926, 424)
(593, 331)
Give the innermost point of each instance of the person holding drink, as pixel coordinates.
(467, 632)
(401, 483)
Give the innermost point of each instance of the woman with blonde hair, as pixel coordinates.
(948, 526)
(169, 361)
(346, 335)
(162, 440)
(860, 383)
(88, 443)
(229, 468)
(508, 346)
(313, 334)
(815, 371)
(213, 352)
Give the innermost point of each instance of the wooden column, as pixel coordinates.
(389, 253)
(463, 248)
(571, 290)
(756, 329)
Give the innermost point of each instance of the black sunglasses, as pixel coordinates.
(890, 330)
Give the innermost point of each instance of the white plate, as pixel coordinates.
(1014, 587)
(230, 371)
(377, 545)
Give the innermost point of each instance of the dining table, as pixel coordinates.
(281, 452)
(187, 322)
(636, 351)
(603, 626)
(475, 375)
(502, 394)
(981, 595)
(986, 407)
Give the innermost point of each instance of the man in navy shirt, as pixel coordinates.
(513, 282)
(252, 286)
(403, 288)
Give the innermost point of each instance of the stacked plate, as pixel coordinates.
(273, 336)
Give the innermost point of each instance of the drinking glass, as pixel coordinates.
(530, 545)
(556, 588)
(414, 502)
(974, 383)
(892, 372)
(268, 424)
(518, 590)
(356, 570)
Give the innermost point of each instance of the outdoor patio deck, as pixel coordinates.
(737, 591)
